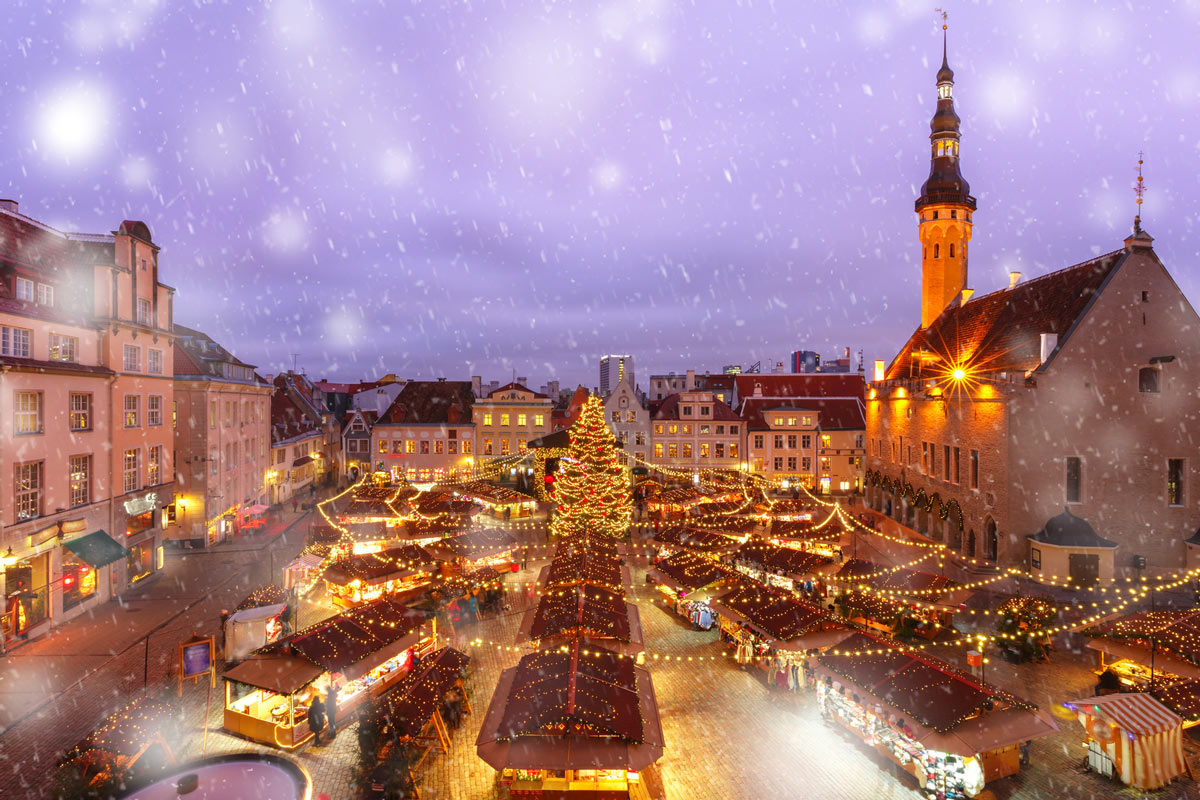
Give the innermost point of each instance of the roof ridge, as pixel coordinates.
(1044, 276)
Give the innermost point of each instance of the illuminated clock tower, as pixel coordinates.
(945, 207)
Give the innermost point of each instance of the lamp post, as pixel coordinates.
(7, 561)
(983, 640)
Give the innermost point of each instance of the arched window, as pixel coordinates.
(936, 249)
(991, 541)
(952, 250)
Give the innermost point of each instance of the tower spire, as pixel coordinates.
(945, 205)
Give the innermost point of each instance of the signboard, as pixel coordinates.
(140, 505)
(196, 660)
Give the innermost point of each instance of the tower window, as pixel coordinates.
(953, 215)
(935, 213)
(952, 251)
(1145, 297)
(936, 248)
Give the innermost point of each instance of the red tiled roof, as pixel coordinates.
(669, 409)
(287, 420)
(818, 384)
(431, 403)
(1000, 332)
(835, 414)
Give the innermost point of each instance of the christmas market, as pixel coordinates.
(600, 617)
(483, 547)
(364, 651)
(409, 710)
(678, 537)
(758, 622)
(1148, 647)
(687, 582)
(399, 572)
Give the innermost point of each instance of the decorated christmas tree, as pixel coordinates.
(591, 489)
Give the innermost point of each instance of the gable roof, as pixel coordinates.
(288, 420)
(431, 403)
(198, 354)
(805, 384)
(508, 387)
(1001, 331)
(669, 409)
(835, 413)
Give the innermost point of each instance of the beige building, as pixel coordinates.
(696, 431)
(1074, 391)
(85, 399)
(222, 437)
(629, 420)
(297, 444)
(427, 433)
(508, 419)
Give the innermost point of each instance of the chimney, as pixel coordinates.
(778, 367)
(758, 390)
(522, 381)
(690, 383)
(477, 385)
(1049, 342)
(1013, 279)
(9, 205)
(847, 356)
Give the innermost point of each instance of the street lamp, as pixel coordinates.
(8, 559)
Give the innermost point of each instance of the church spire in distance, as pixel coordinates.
(945, 206)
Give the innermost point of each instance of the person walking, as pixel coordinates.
(295, 502)
(316, 718)
(331, 709)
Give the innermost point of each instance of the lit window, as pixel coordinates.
(704, 449)
(438, 447)
(791, 420)
(504, 447)
(687, 450)
(522, 419)
(658, 450)
(466, 447)
(779, 420)
(806, 421)
(687, 429)
(826, 440)
(487, 447)
(28, 406)
(382, 446)
(212, 413)
(487, 419)
(411, 447)
(28, 490)
(63, 348)
(504, 419)
(133, 405)
(81, 470)
(397, 447)
(80, 411)
(1175, 481)
(154, 466)
(733, 450)
(539, 419)
(672, 450)
(520, 445)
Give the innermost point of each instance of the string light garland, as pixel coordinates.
(591, 489)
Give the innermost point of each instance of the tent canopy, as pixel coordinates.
(1136, 713)
(276, 673)
(98, 549)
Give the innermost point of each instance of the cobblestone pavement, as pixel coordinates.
(727, 736)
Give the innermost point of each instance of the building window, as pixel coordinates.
(630, 416)
(779, 464)
(154, 465)
(733, 450)
(806, 441)
(487, 419)
(1035, 558)
(487, 447)
(131, 471)
(1175, 481)
(687, 411)
(616, 416)
(639, 439)
(452, 447)
(154, 410)
(28, 407)
(1148, 379)
(957, 473)
(132, 360)
(466, 447)
(382, 447)
(733, 429)
(1074, 479)
(504, 419)
(936, 248)
(522, 419)
(704, 410)
(28, 490)
(504, 447)
(826, 440)
(758, 441)
(778, 442)
(133, 407)
(520, 445)
(80, 415)
(143, 311)
(45, 294)
(212, 413)
(720, 450)
(791, 442)
(704, 449)
(81, 472)
(974, 469)
(425, 448)
(952, 248)
(946, 461)
(825, 464)
(540, 420)
(672, 450)
(658, 450)
(175, 414)
(154, 361)
(806, 464)
(214, 459)
(25, 290)
(410, 447)
(15, 342)
(64, 348)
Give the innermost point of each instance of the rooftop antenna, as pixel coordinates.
(1139, 190)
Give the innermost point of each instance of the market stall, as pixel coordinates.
(587, 613)
(303, 569)
(499, 501)
(365, 651)
(251, 628)
(951, 732)
(576, 724)
(410, 708)
(253, 518)
(398, 572)
(687, 582)
(1132, 737)
(789, 568)
(576, 566)
(672, 540)
(1159, 646)
(484, 547)
(772, 630)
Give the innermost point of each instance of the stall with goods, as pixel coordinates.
(410, 711)
(485, 547)
(580, 723)
(897, 601)
(364, 651)
(951, 732)
(398, 572)
(789, 568)
(1133, 738)
(249, 629)
(499, 501)
(678, 537)
(576, 566)
(1148, 647)
(586, 613)
(688, 582)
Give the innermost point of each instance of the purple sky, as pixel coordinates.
(471, 188)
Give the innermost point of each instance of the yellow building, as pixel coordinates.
(508, 419)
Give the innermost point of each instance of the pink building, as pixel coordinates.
(85, 425)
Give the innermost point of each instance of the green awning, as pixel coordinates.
(97, 548)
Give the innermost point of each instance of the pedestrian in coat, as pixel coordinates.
(316, 718)
(295, 503)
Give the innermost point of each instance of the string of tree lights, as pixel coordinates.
(591, 489)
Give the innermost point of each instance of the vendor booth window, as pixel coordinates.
(137, 563)
(78, 580)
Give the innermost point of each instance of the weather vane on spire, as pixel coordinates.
(944, 14)
(1139, 190)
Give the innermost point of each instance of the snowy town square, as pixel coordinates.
(639, 399)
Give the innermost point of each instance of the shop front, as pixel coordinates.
(364, 652)
(687, 582)
(141, 517)
(86, 565)
(485, 547)
(400, 573)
